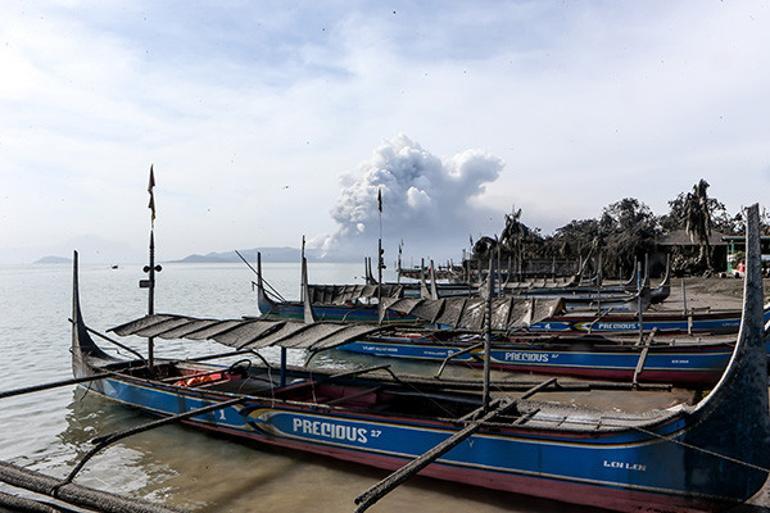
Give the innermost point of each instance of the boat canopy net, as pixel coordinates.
(247, 333)
(460, 313)
(543, 283)
(342, 294)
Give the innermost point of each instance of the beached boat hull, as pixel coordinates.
(662, 322)
(630, 470)
(626, 471)
(694, 366)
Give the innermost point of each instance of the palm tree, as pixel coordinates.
(697, 217)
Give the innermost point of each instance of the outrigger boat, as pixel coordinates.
(586, 298)
(621, 297)
(576, 296)
(705, 457)
(420, 288)
(682, 361)
(363, 303)
(341, 303)
(712, 321)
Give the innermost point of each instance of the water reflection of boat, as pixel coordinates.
(701, 458)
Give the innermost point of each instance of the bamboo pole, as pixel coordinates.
(379, 490)
(488, 333)
(75, 494)
(455, 355)
(13, 503)
(53, 384)
(103, 441)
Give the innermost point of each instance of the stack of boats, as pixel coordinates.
(566, 328)
(706, 455)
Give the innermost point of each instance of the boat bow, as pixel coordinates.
(83, 347)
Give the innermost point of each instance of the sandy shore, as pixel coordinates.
(705, 293)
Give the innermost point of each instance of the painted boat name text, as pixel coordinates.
(329, 430)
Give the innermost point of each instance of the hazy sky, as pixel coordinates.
(252, 111)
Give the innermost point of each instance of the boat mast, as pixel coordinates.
(379, 248)
(302, 259)
(400, 250)
(151, 269)
(639, 286)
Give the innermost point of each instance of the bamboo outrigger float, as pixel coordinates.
(705, 457)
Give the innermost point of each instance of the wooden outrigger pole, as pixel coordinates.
(476, 419)
(488, 334)
(387, 485)
(103, 441)
(74, 494)
(53, 384)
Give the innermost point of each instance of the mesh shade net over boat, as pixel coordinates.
(246, 333)
(508, 313)
(345, 294)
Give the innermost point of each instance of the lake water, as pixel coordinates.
(176, 465)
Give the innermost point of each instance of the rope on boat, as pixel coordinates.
(26, 505)
(273, 289)
(113, 341)
(401, 382)
(715, 454)
(665, 438)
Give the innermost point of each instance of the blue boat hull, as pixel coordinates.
(693, 367)
(341, 313)
(668, 324)
(627, 470)
(703, 457)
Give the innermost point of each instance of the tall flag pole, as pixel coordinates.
(151, 204)
(151, 269)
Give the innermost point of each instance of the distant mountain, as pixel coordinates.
(269, 254)
(93, 249)
(53, 260)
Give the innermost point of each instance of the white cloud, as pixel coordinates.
(586, 103)
(426, 200)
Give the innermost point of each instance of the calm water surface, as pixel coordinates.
(176, 465)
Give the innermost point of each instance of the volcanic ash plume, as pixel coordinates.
(425, 199)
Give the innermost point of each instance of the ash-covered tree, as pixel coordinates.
(514, 230)
(721, 220)
(577, 236)
(697, 216)
(627, 231)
